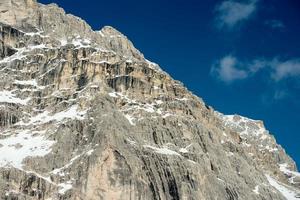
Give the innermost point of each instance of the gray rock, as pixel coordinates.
(83, 115)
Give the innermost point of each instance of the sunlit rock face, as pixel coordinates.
(83, 115)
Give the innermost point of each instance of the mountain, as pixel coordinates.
(84, 116)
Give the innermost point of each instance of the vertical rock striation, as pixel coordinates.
(83, 115)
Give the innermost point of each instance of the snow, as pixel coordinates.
(28, 82)
(48, 179)
(76, 42)
(132, 142)
(64, 187)
(63, 42)
(245, 125)
(145, 107)
(32, 82)
(250, 130)
(130, 119)
(229, 153)
(79, 43)
(148, 108)
(155, 88)
(31, 34)
(14, 149)
(219, 179)
(134, 106)
(158, 102)
(163, 150)
(59, 171)
(90, 152)
(86, 41)
(166, 115)
(113, 94)
(182, 99)
(284, 168)
(284, 190)
(94, 86)
(115, 36)
(101, 62)
(270, 149)
(40, 46)
(256, 189)
(263, 137)
(17, 56)
(9, 97)
(45, 117)
(185, 150)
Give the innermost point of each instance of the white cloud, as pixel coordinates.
(280, 94)
(230, 69)
(227, 71)
(286, 69)
(276, 73)
(230, 13)
(276, 24)
(256, 65)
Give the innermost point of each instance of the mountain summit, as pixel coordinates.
(83, 115)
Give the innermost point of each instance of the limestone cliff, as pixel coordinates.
(83, 115)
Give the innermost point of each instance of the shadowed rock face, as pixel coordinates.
(83, 115)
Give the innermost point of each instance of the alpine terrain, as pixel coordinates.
(84, 116)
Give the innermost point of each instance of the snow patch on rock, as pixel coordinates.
(162, 150)
(46, 116)
(283, 189)
(9, 97)
(15, 148)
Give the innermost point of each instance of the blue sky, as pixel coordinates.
(239, 56)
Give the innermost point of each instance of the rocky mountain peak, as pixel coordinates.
(20, 3)
(14, 11)
(52, 21)
(111, 32)
(119, 42)
(83, 115)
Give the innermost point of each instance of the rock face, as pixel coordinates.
(84, 116)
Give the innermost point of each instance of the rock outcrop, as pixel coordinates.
(83, 115)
